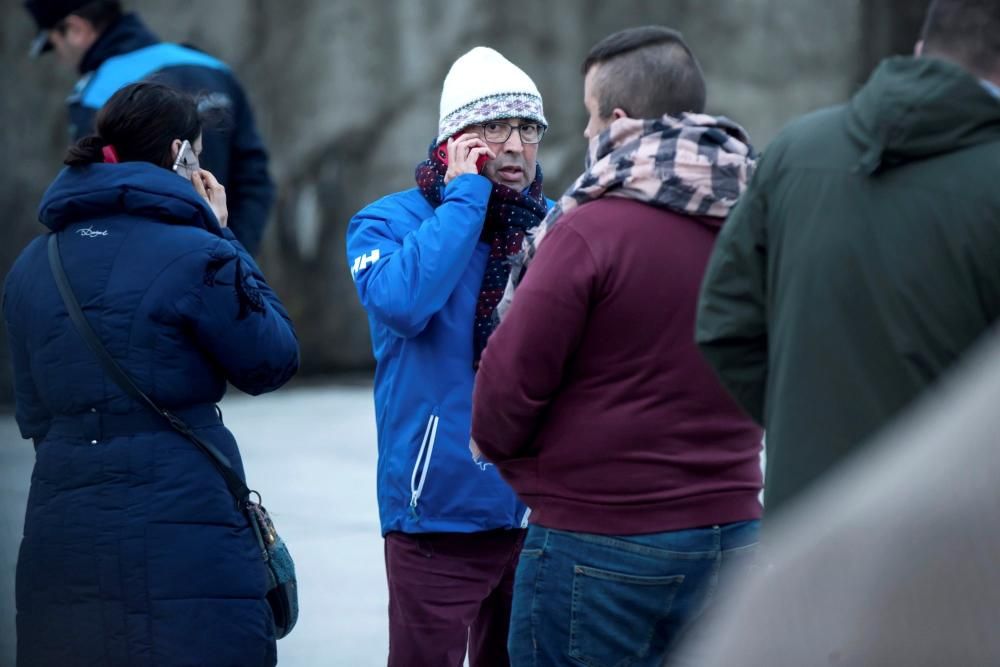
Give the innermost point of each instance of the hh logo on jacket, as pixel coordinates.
(363, 262)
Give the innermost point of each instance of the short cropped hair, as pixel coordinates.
(966, 31)
(647, 72)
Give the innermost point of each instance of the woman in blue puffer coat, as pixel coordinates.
(134, 553)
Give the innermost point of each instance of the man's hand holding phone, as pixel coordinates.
(463, 153)
(212, 191)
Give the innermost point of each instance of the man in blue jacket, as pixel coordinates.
(110, 49)
(430, 265)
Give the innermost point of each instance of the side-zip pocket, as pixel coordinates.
(420, 467)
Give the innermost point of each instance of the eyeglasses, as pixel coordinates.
(498, 132)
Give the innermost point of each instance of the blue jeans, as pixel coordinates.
(603, 601)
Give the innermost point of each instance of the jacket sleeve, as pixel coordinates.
(403, 280)
(523, 364)
(33, 419)
(250, 191)
(731, 328)
(81, 121)
(240, 323)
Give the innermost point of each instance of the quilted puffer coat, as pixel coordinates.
(134, 553)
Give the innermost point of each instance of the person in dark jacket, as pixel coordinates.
(642, 474)
(430, 264)
(862, 262)
(110, 49)
(134, 552)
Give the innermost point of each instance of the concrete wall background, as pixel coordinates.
(346, 94)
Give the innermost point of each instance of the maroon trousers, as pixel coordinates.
(449, 592)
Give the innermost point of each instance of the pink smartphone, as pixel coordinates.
(442, 154)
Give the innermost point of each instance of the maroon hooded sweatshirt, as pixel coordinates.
(592, 398)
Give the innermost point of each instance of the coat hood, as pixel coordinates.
(139, 189)
(912, 108)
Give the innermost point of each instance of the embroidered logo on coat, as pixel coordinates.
(214, 102)
(364, 261)
(90, 232)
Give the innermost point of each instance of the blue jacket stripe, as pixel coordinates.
(130, 67)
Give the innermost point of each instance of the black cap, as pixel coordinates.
(47, 14)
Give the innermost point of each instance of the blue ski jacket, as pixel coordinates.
(418, 270)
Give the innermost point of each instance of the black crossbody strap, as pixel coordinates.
(236, 486)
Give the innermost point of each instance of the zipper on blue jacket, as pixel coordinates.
(419, 475)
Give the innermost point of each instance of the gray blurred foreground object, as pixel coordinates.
(894, 559)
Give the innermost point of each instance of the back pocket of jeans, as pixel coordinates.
(615, 616)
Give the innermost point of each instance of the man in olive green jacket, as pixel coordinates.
(864, 259)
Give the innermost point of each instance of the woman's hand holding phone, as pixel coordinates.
(463, 153)
(212, 191)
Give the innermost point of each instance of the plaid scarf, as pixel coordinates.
(694, 164)
(509, 215)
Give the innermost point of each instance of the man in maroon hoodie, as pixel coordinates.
(592, 399)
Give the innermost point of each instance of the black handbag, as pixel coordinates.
(282, 595)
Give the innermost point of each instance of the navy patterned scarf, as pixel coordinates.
(509, 215)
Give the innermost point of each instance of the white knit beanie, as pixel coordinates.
(481, 86)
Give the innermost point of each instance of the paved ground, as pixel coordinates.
(311, 452)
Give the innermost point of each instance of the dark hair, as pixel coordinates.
(967, 31)
(141, 121)
(647, 72)
(100, 13)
